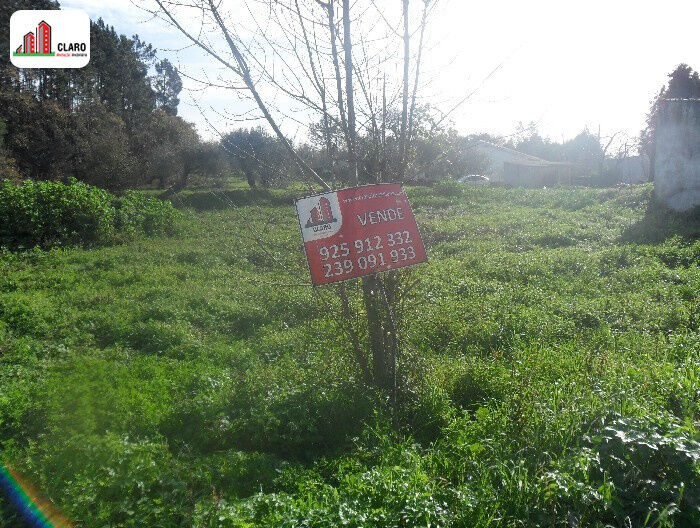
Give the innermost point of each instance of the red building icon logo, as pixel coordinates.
(38, 44)
(29, 44)
(43, 38)
(321, 214)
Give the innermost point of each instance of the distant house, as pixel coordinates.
(539, 173)
(516, 168)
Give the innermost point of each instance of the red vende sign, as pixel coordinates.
(359, 231)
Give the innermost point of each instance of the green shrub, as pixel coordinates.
(47, 213)
(397, 491)
(630, 472)
(113, 480)
(137, 213)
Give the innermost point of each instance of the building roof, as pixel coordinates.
(487, 144)
(539, 163)
(521, 156)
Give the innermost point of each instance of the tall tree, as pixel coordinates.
(59, 120)
(683, 83)
(167, 85)
(118, 73)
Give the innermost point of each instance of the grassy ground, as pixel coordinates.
(550, 373)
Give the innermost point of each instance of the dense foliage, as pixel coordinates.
(550, 374)
(52, 213)
(584, 148)
(259, 156)
(108, 124)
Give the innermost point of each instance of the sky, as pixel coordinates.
(563, 65)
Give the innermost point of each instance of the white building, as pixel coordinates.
(516, 168)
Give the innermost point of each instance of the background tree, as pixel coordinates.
(9, 75)
(167, 85)
(258, 155)
(527, 139)
(8, 168)
(117, 74)
(164, 141)
(438, 152)
(102, 153)
(584, 149)
(93, 122)
(171, 153)
(40, 135)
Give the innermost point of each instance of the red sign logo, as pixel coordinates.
(359, 231)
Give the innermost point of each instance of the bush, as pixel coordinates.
(137, 213)
(119, 481)
(48, 213)
(51, 213)
(396, 491)
(630, 472)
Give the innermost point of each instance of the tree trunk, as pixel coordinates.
(177, 186)
(382, 365)
(250, 177)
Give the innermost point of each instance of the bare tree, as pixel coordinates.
(290, 51)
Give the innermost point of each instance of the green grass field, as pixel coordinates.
(550, 373)
(19, 54)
